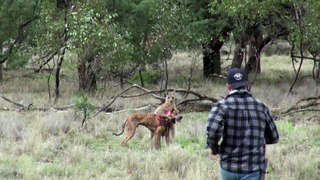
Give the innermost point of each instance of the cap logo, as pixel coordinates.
(238, 76)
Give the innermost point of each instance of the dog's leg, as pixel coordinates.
(131, 129)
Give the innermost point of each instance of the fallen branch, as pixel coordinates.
(18, 104)
(308, 99)
(200, 97)
(201, 102)
(306, 57)
(313, 117)
(310, 104)
(116, 97)
(301, 110)
(302, 107)
(30, 106)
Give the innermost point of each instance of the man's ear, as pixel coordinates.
(229, 87)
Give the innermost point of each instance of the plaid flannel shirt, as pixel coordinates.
(245, 125)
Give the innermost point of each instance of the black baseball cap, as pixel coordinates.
(237, 78)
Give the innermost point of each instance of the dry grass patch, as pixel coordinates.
(12, 126)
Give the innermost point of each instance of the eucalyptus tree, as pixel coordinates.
(15, 16)
(312, 33)
(94, 39)
(256, 24)
(304, 36)
(84, 29)
(208, 29)
(47, 39)
(154, 28)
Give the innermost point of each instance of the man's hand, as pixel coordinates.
(215, 150)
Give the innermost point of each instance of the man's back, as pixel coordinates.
(242, 121)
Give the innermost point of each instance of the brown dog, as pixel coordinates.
(157, 127)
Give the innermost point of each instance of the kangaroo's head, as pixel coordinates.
(170, 99)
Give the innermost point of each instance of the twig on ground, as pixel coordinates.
(301, 110)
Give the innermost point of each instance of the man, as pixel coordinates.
(245, 125)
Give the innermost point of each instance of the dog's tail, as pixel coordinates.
(123, 126)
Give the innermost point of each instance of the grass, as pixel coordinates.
(50, 145)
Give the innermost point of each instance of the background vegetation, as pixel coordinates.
(62, 60)
(51, 144)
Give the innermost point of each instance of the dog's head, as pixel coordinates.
(177, 117)
(175, 114)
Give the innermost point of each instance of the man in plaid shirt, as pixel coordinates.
(245, 125)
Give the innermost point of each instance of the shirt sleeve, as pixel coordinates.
(215, 127)
(271, 132)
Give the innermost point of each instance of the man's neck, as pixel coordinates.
(238, 91)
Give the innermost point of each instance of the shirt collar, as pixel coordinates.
(240, 91)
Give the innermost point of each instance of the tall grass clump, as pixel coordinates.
(12, 126)
(296, 155)
(58, 124)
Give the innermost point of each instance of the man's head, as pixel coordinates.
(237, 79)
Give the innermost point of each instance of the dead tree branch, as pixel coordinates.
(309, 104)
(302, 110)
(308, 99)
(23, 107)
(199, 96)
(30, 106)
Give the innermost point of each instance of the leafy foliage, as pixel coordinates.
(10, 20)
(14, 17)
(82, 104)
(148, 76)
(17, 60)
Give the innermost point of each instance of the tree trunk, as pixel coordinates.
(82, 71)
(1, 63)
(91, 74)
(256, 46)
(57, 80)
(238, 55)
(62, 4)
(211, 58)
(253, 63)
(141, 78)
(87, 74)
(61, 58)
(1, 73)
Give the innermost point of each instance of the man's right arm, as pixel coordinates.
(214, 128)
(271, 132)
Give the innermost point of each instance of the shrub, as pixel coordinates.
(147, 76)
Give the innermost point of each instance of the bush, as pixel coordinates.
(148, 77)
(280, 48)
